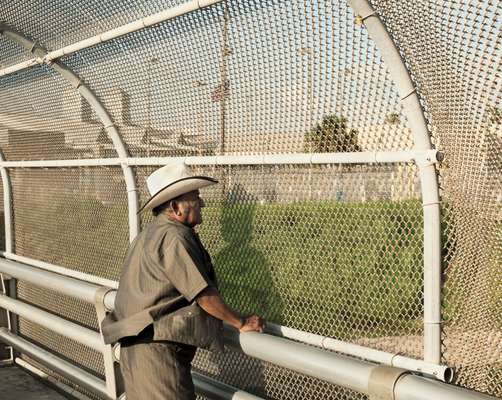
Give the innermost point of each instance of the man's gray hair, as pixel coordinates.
(164, 206)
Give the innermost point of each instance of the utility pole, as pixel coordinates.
(224, 88)
(151, 64)
(224, 84)
(309, 53)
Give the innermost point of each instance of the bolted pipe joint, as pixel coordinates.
(382, 382)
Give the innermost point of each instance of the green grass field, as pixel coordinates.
(337, 268)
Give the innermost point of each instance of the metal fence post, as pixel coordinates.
(9, 284)
(428, 178)
(111, 367)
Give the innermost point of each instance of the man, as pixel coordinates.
(168, 302)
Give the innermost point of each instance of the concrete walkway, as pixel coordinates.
(16, 384)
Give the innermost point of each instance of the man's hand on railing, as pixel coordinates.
(252, 323)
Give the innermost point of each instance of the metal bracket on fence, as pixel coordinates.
(111, 368)
(428, 157)
(383, 381)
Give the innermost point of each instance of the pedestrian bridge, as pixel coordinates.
(358, 145)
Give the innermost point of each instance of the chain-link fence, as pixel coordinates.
(333, 249)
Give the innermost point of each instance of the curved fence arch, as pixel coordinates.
(103, 115)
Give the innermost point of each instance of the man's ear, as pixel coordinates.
(175, 206)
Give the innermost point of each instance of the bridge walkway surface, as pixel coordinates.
(17, 384)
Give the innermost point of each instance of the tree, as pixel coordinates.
(332, 135)
(494, 114)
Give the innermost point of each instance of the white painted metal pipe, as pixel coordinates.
(213, 389)
(19, 67)
(411, 387)
(405, 156)
(57, 364)
(81, 276)
(113, 134)
(106, 36)
(7, 204)
(441, 372)
(49, 280)
(341, 370)
(9, 238)
(330, 367)
(57, 324)
(428, 178)
(432, 267)
(203, 385)
(54, 281)
(87, 292)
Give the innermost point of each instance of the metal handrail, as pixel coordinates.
(338, 369)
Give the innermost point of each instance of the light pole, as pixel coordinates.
(224, 87)
(151, 63)
(307, 51)
(225, 52)
(199, 125)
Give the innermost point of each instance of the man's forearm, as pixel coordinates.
(212, 303)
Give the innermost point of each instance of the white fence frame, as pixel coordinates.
(423, 154)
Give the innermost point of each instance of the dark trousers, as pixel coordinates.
(157, 371)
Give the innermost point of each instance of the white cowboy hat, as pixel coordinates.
(172, 181)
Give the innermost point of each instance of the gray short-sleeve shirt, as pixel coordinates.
(165, 269)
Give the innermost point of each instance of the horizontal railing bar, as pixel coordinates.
(81, 276)
(341, 370)
(106, 36)
(367, 157)
(214, 389)
(330, 367)
(441, 372)
(57, 364)
(57, 324)
(338, 369)
(203, 385)
(51, 280)
(86, 291)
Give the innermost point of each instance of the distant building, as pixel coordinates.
(77, 133)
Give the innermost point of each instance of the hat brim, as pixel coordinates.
(177, 188)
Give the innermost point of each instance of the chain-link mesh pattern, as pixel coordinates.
(65, 307)
(12, 53)
(75, 19)
(334, 250)
(42, 117)
(76, 218)
(218, 90)
(349, 269)
(455, 58)
(267, 380)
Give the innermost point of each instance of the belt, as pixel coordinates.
(146, 336)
